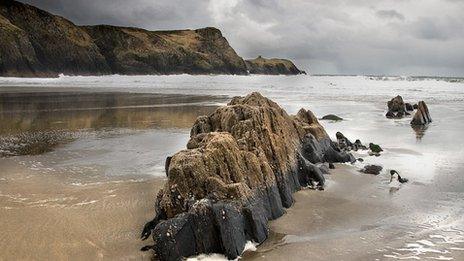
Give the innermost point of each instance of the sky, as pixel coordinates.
(381, 37)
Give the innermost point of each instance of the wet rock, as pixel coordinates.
(241, 166)
(422, 115)
(360, 159)
(372, 169)
(396, 108)
(375, 148)
(331, 165)
(324, 167)
(332, 117)
(415, 106)
(409, 107)
(345, 144)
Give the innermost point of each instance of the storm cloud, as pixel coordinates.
(403, 37)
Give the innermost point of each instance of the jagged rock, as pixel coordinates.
(332, 117)
(240, 168)
(409, 107)
(422, 115)
(396, 108)
(345, 144)
(372, 169)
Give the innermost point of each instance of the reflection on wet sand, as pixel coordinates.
(34, 123)
(419, 130)
(82, 169)
(75, 111)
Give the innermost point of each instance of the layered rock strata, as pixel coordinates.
(422, 115)
(240, 169)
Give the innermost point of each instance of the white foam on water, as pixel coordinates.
(249, 246)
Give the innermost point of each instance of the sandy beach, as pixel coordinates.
(86, 194)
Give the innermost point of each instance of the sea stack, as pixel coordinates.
(422, 115)
(396, 108)
(241, 166)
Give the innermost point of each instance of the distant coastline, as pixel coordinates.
(35, 43)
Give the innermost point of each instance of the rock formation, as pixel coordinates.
(240, 168)
(331, 117)
(396, 108)
(372, 169)
(262, 65)
(345, 144)
(422, 115)
(36, 43)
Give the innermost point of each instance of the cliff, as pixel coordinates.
(274, 66)
(34, 42)
(239, 170)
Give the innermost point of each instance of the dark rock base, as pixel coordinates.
(222, 226)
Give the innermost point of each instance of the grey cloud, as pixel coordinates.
(390, 14)
(322, 36)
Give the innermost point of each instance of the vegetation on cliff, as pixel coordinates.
(34, 42)
(262, 65)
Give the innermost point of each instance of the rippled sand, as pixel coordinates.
(43, 218)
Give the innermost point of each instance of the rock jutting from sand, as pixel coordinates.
(331, 117)
(241, 166)
(371, 169)
(345, 144)
(422, 115)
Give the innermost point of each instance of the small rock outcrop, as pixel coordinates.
(396, 108)
(274, 66)
(371, 169)
(331, 117)
(345, 144)
(422, 115)
(241, 166)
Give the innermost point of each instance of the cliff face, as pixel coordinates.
(36, 43)
(137, 51)
(240, 169)
(274, 66)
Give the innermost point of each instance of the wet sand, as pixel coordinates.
(89, 193)
(360, 217)
(43, 218)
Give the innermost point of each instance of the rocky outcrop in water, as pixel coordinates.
(422, 115)
(331, 117)
(241, 166)
(36, 43)
(396, 108)
(274, 66)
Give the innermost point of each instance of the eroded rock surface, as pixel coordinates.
(396, 108)
(422, 115)
(240, 169)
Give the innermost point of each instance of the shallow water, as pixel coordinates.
(98, 132)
